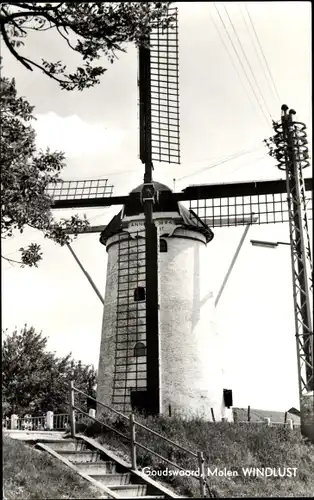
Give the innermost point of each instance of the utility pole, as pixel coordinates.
(149, 197)
(291, 152)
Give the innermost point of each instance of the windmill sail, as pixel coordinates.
(164, 70)
(234, 204)
(71, 194)
(78, 190)
(159, 94)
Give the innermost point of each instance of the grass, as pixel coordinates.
(30, 474)
(225, 445)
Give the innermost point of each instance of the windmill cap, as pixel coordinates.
(157, 185)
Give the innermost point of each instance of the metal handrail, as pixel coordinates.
(102, 423)
(166, 439)
(132, 439)
(159, 456)
(100, 403)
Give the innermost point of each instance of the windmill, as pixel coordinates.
(134, 237)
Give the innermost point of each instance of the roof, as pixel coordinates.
(241, 415)
(157, 185)
(134, 207)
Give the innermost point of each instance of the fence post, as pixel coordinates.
(169, 409)
(290, 423)
(201, 466)
(72, 410)
(286, 416)
(267, 420)
(213, 415)
(249, 414)
(92, 413)
(132, 441)
(49, 420)
(14, 419)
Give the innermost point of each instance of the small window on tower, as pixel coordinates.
(163, 247)
(139, 349)
(139, 294)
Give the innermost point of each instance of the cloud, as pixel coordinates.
(76, 137)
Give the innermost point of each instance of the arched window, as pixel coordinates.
(139, 349)
(139, 293)
(163, 247)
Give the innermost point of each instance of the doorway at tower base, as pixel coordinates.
(187, 409)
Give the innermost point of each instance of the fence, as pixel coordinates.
(131, 438)
(288, 422)
(48, 422)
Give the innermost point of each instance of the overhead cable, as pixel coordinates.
(261, 49)
(216, 164)
(235, 67)
(257, 53)
(243, 68)
(248, 62)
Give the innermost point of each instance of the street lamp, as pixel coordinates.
(268, 244)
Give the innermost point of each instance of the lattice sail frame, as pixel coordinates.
(79, 190)
(239, 210)
(164, 73)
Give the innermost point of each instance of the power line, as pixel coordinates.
(243, 68)
(234, 156)
(235, 67)
(257, 53)
(261, 49)
(251, 162)
(248, 62)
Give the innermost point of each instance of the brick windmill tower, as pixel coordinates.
(190, 377)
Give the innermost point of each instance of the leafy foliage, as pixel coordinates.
(90, 29)
(25, 175)
(35, 380)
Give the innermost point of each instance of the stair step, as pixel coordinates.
(80, 456)
(148, 497)
(130, 490)
(98, 468)
(67, 445)
(112, 479)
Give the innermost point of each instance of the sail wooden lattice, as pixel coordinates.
(164, 74)
(80, 190)
(268, 207)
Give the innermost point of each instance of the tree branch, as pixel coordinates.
(66, 39)
(46, 72)
(35, 7)
(11, 260)
(11, 49)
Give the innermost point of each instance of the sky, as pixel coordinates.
(219, 116)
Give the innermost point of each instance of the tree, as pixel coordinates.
(91, 29)
(35, 380)
(25, 176)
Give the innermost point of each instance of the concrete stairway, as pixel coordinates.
(105, 470)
